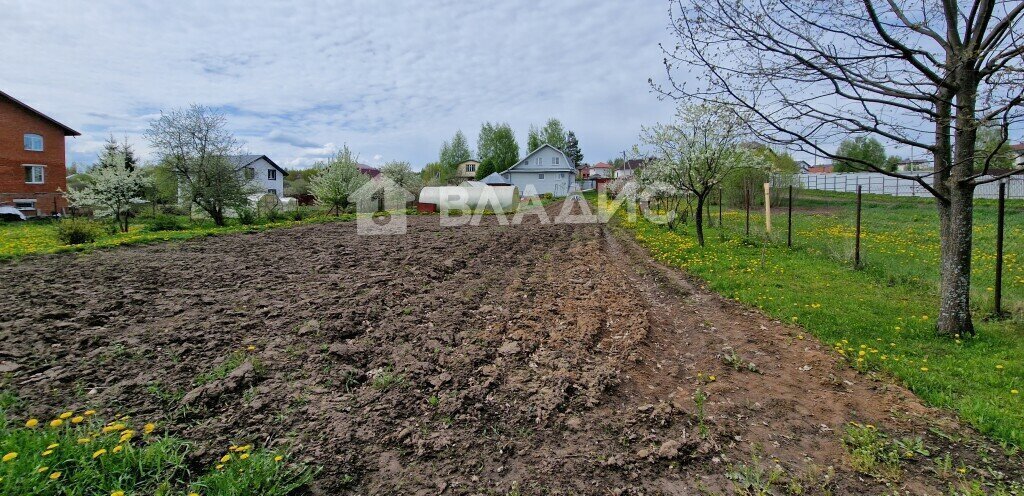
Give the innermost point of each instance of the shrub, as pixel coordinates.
(166, 223)
(246, 216)
(78, 231)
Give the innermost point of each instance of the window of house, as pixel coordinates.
(540, 176)
(554, 160)
(33, 142)
(272, 191)
(25, 204)
(34, 174)
(250, 173)
(272, 174)
(540, 160)
(470, 168)
(526, 161)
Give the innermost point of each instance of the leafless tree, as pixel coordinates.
(925, 74)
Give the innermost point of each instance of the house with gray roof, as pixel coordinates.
(544, 170)
(262, 171)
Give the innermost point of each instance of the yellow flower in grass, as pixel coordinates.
(100, 452)
(117, 493)
(90, 413)
(55, 476)
(42, 469)
(924, 369)
(10, 456)
(193, 494)
(77, 420)
(999, 367)
(148, 428)
(117, 449)
(84, 440)
(52, 446)
(219, 466)
(245, 456)
(66, 415)
(278, 458)
(48, 452)
(126, 435)
(1014, 391)
(225, 458)
(31, 423)
(56, 423)
(114, 428)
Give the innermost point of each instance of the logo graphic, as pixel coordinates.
(380, 207)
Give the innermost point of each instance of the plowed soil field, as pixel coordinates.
(521, 359)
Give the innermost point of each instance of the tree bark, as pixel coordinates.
(698, 220)
(957, 225)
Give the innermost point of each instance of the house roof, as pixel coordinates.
(369, 171)
(495, 179)
(601, 165)
(636, 163)
(566, 167)
(824, 168)
(240, 161)
(473, 160)
(67, 130)
(1019, 147)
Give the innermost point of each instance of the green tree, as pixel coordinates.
(485, 169)
(497, 142)
(195, 143)
(533, 139)
(993, 149)
(436, 174)
(456, 151)
(554, 134)
(572, 149)
(858, 152)
(339, 177)
(403, 175)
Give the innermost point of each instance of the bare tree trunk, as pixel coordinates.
(698, 220)
(956, 224)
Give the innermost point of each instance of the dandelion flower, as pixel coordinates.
(711, 378)
(42, 469)
(55, 476)
(245, 456)
(924, 369)
(48, 452)
(251, 348)
(278, 458)
(77, 420)
(10, 456)
(219, 466)
(117, 493)
(84, 440)
(114, 428)
(31, 423)
(148, 428)
(225, 458)
(117, 449)
(52, 446)
(90, 412)
(1014, 391)
(100, 452)
(56, 423)
(126, 435)
(999, 367)
(193, 494)
(66, 415)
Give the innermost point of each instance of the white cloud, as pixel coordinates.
(389, 78)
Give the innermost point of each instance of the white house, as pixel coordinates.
(262, 171)
(544, 170)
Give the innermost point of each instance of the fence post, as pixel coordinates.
(789, 218)
(856, 253)
(999, 249)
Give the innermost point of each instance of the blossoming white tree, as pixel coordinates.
(339, 179)
(693, 154)
(112, 191)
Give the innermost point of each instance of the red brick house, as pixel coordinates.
(32, 165)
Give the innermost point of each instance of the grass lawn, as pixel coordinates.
(880, 317)
(39, 237)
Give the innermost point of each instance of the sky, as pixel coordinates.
(392, 79)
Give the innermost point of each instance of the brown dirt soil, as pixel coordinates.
(543, 359)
